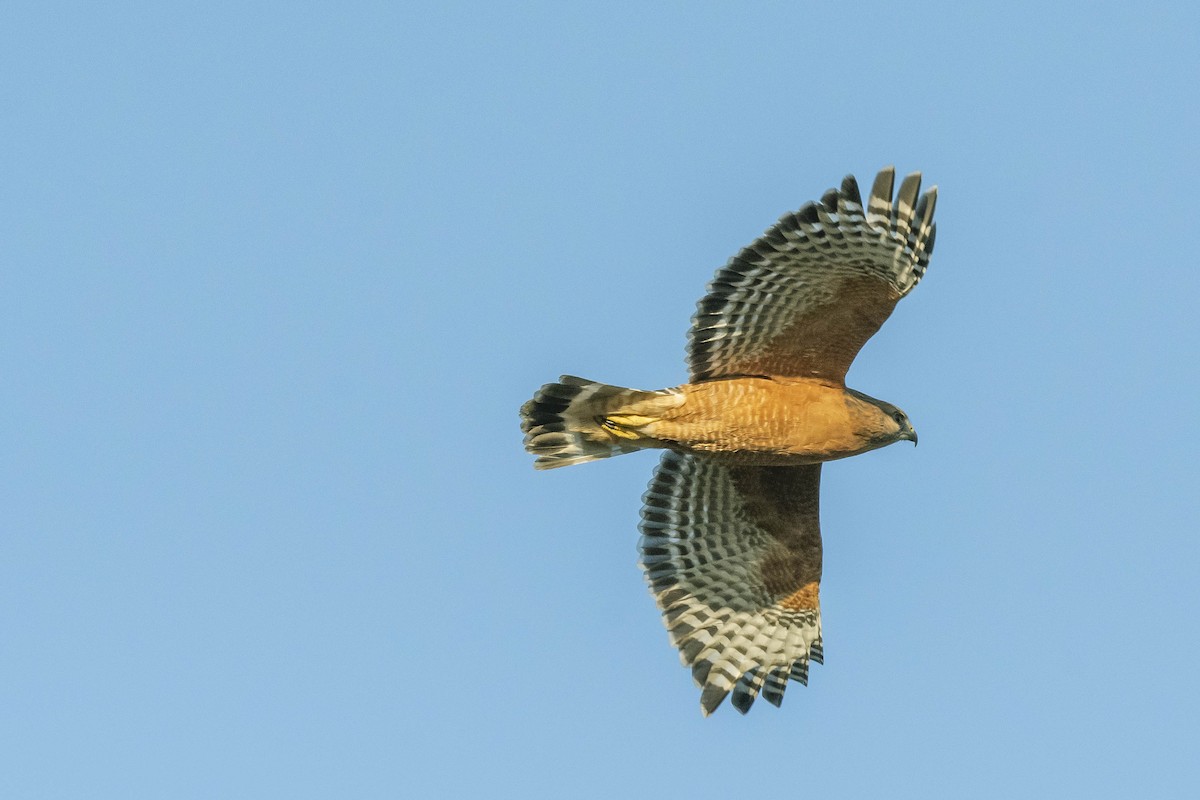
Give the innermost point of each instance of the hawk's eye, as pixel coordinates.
(898, 417)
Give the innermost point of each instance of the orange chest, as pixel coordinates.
(800, 417)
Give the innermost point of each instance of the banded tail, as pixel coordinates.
(578, 420)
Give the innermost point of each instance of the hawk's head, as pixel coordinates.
(881, 422)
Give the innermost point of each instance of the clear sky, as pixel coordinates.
(275, 278)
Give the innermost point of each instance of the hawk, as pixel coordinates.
(731, 543)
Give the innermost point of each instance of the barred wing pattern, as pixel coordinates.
(803, 298)
(733, 557)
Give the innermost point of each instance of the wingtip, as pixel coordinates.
(711, 698)
(850, 190)
(879, 204)
(906, 197)
(926, 207)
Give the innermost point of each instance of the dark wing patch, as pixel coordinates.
(803, 298)
(733, 557)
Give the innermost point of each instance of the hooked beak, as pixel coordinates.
(910, 434)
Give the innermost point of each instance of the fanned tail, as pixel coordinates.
(577, 420)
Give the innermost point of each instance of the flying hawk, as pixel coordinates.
(731, 543)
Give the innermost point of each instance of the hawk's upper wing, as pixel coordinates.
(804, 298)
(733, 557)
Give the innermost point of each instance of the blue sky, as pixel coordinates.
(276, 278)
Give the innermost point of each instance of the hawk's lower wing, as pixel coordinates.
(733, 557)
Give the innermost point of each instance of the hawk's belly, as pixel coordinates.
(764, 421)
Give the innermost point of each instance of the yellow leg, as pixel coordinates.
(619, 425)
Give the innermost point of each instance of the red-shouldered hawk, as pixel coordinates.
(731, 544)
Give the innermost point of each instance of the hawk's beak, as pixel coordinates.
(910, 434)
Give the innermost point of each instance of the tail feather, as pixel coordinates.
(568, 422)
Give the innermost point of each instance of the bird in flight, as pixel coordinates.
(731, 542)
